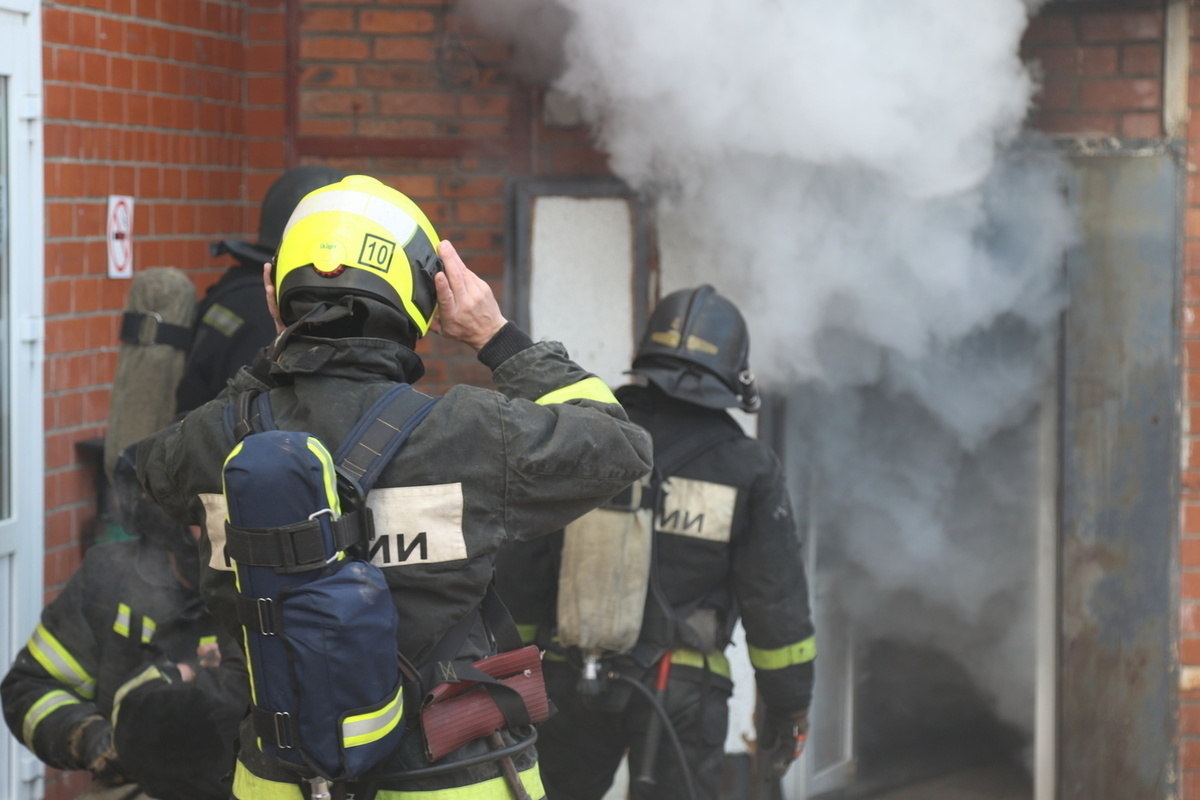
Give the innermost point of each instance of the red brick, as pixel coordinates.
(327, 20)
(405, 48)
(1051, 27)
(1121, 26)
(1189, 550)
(333, 48)
(1142, 59)
(396, 22)
(1120, 94)
(416, 104)
(1189, 650)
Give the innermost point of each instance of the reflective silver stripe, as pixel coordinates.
(121, 623)
(149, 627)
(56, 660)
(44, 707)
(373, 726)
(348, 201)
(222, 319)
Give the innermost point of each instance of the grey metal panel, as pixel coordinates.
(1120, 481)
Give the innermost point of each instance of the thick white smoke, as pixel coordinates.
(855, 176)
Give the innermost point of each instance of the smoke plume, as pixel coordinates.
(856, 177)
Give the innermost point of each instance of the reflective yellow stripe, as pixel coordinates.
(149, 626)
(150, 673)
(55, 659)
(248, 786)
(528, 632)
(718, 664)
(373, 726)
(207, 640)
(317, 448)
(587, 389)
(494, 789)
(798, 653)
(121, 623)
(46, 705)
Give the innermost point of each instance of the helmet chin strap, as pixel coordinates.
(749, 399)
(324, 312)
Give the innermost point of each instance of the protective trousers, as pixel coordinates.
(581, 747)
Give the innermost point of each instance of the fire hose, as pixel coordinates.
(660, 722)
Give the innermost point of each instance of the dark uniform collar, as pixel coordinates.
(359, 358)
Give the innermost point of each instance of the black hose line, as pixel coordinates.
(676, 745)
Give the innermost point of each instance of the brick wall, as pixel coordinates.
(156, 100)
(415, 95)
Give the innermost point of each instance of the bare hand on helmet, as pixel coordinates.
(467, 309)
(272, 304)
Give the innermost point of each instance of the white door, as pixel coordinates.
(21, 274)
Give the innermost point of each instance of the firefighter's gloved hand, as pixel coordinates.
(781, 742)
(92, 749)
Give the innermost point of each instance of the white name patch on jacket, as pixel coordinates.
(215, 514)
(417, 525)
(413, 525)
(699, 509)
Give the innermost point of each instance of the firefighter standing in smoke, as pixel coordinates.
(232, 321)
(123, 676)
(483, 468)
(724, 543)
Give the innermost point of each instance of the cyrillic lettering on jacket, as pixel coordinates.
(417, 525)
(699, 509)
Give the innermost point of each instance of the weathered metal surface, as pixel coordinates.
(1120, 453)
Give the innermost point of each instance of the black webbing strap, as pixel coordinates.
(259, 614)
(134, 326)
(274, 727)
(296, 546)
(382, 431)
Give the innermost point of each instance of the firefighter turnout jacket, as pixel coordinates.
(725, 545)
(232, 326)
(484, 468)
(109, 645)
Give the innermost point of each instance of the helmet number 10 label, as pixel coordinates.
(376, 252)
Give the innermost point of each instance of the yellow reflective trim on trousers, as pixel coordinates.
(149, 627)
(587, 389)
(55, 659)
(46, 705)
(528, 632)
(718, 664)
(494, 789)
(798, 653)
(248, 786)
(121, 623)
(374, 725)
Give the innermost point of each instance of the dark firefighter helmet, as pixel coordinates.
(696, 348)
(141, 517)
(358, 238)
(277, 204)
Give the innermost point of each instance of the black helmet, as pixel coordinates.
(277, 205)
(144, 519)
(696, 348)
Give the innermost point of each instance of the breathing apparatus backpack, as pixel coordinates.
(313, 611)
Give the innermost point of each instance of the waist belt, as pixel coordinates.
(718, 664)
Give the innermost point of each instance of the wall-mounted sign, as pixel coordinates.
(120, 236)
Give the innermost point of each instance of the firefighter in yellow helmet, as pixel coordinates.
(359, 277)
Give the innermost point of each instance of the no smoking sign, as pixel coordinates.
(120, 236)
